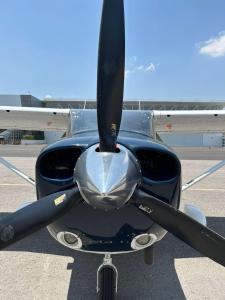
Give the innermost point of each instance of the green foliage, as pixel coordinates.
(36, 135)
(29, 137)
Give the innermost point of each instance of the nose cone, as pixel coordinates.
(107, 180)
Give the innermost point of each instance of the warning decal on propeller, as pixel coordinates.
(60, 200)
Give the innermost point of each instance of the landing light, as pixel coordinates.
(69, 239)
(143, 241)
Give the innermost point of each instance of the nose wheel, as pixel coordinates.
(107, 278)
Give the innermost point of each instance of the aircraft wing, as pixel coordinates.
(193, 121)
(33, 118)
(163, 121)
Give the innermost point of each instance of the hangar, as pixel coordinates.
(176, 140)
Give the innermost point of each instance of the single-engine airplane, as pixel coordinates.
(111, 186)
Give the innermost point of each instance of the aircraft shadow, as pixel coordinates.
(136, 280)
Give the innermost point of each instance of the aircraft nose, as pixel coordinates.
(107, 180)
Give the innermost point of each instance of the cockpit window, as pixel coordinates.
(132, 121)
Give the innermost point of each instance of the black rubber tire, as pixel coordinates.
(107, 283)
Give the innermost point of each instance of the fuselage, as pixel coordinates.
(101, 230)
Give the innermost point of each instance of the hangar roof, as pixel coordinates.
(150, 104)
(137, 104)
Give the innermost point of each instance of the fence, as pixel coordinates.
(11, 137)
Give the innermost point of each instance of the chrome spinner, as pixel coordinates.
(107, 180)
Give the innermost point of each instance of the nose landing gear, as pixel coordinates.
(107, 279)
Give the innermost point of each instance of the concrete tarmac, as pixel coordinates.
(20, 150)
(40, 268)
(183, 153)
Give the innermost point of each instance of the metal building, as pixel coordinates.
(15, 136)
(178, 140)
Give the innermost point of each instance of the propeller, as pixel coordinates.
(110, 86)
(200, 237)
(110, 81)
(36, 215)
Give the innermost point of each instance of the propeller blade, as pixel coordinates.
(201, 238)
(110, 82)
(36, 215)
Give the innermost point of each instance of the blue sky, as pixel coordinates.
(174, 49)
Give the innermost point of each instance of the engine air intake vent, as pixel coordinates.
(158, 165)
(59, 164)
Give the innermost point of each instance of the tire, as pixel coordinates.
(107, 283)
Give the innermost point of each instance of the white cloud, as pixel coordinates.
(214, 47)
(133, 67)
(48, 96)
(151, 68)
(131, 61)
(140, 68)
(129, 72)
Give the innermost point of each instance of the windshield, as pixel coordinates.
(138, 121)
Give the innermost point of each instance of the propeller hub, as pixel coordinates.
(107, 180)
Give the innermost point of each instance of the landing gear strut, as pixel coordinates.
(107, 279)
(149, 255)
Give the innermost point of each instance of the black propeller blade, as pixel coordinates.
(36, 215)
(111, 63)
(201, 238)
